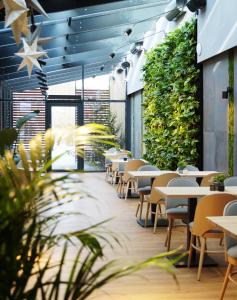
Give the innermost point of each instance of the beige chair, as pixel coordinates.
(207, 180)
(154, 198)
(211, 205)
(128, 182)
(231, 249)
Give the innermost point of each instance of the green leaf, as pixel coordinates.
(21, 121)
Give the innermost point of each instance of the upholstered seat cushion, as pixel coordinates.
(177, 210)
(145, 190)
(232, 251)
(210, 231)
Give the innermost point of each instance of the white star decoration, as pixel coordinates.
(30, 56)
(16, 16)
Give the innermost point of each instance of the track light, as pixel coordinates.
(40, 73)
(42, 62)
(69, 21)
(112, 55)
(102, 68)
(128, 32)
(194, 5)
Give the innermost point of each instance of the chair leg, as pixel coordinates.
(127, 188)
(190, 252)
(156, 217)
(138, 207)
(201, 258)
(147, 213)
(171, 221)
(221, 242)
(226, 280)
(141, 206)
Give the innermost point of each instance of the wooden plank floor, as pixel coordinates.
(138, 244)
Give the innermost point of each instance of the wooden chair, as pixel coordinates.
(126, 180)
(154, 198)
(231, 249)
(207, 180)
(177, 208)
(144, 187)
(211, 205)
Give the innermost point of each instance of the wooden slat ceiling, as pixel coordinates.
(95, 32)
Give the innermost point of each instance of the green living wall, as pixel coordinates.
(171, 105)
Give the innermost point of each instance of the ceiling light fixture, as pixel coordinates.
(40, 73)
(128, 32)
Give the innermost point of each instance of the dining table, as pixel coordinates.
(152, 175)
(226, 223)
(192, 194)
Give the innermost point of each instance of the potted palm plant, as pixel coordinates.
(28, 223)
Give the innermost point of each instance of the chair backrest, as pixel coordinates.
(161, 180)
(211, 205)
(230, 210)
(207, 180)
(191, 168)
(132, 165)
(179, 182)
(231, 181)
(142, 182)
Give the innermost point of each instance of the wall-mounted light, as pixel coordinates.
(194, 5)
(175, 14)
(226, 94)
(112, 55)
(125, 64)
(119, 70)
(136, 48)
(128, 32)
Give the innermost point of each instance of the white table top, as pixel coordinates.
(191, 192)
(151, 174)
(227, 223)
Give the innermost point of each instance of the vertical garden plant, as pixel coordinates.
(171, 104)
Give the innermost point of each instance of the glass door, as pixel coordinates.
(63, 116)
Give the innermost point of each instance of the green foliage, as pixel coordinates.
(32, 203)
(115, 128)
(221, 178)
(171, 106)
(9, 136)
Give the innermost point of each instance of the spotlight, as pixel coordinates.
(194, 5)
(128, 32)
(42, 62)
(41, 79)
(102, 68)
(44, 88)
(40, 73)
(67, 36)
(112, 55)
(119, 70)
(42, 84)
(94, 76)
(125, 64)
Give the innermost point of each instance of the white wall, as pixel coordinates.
(217, 28)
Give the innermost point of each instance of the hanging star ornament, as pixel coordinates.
(30, 56)
(16, 17)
